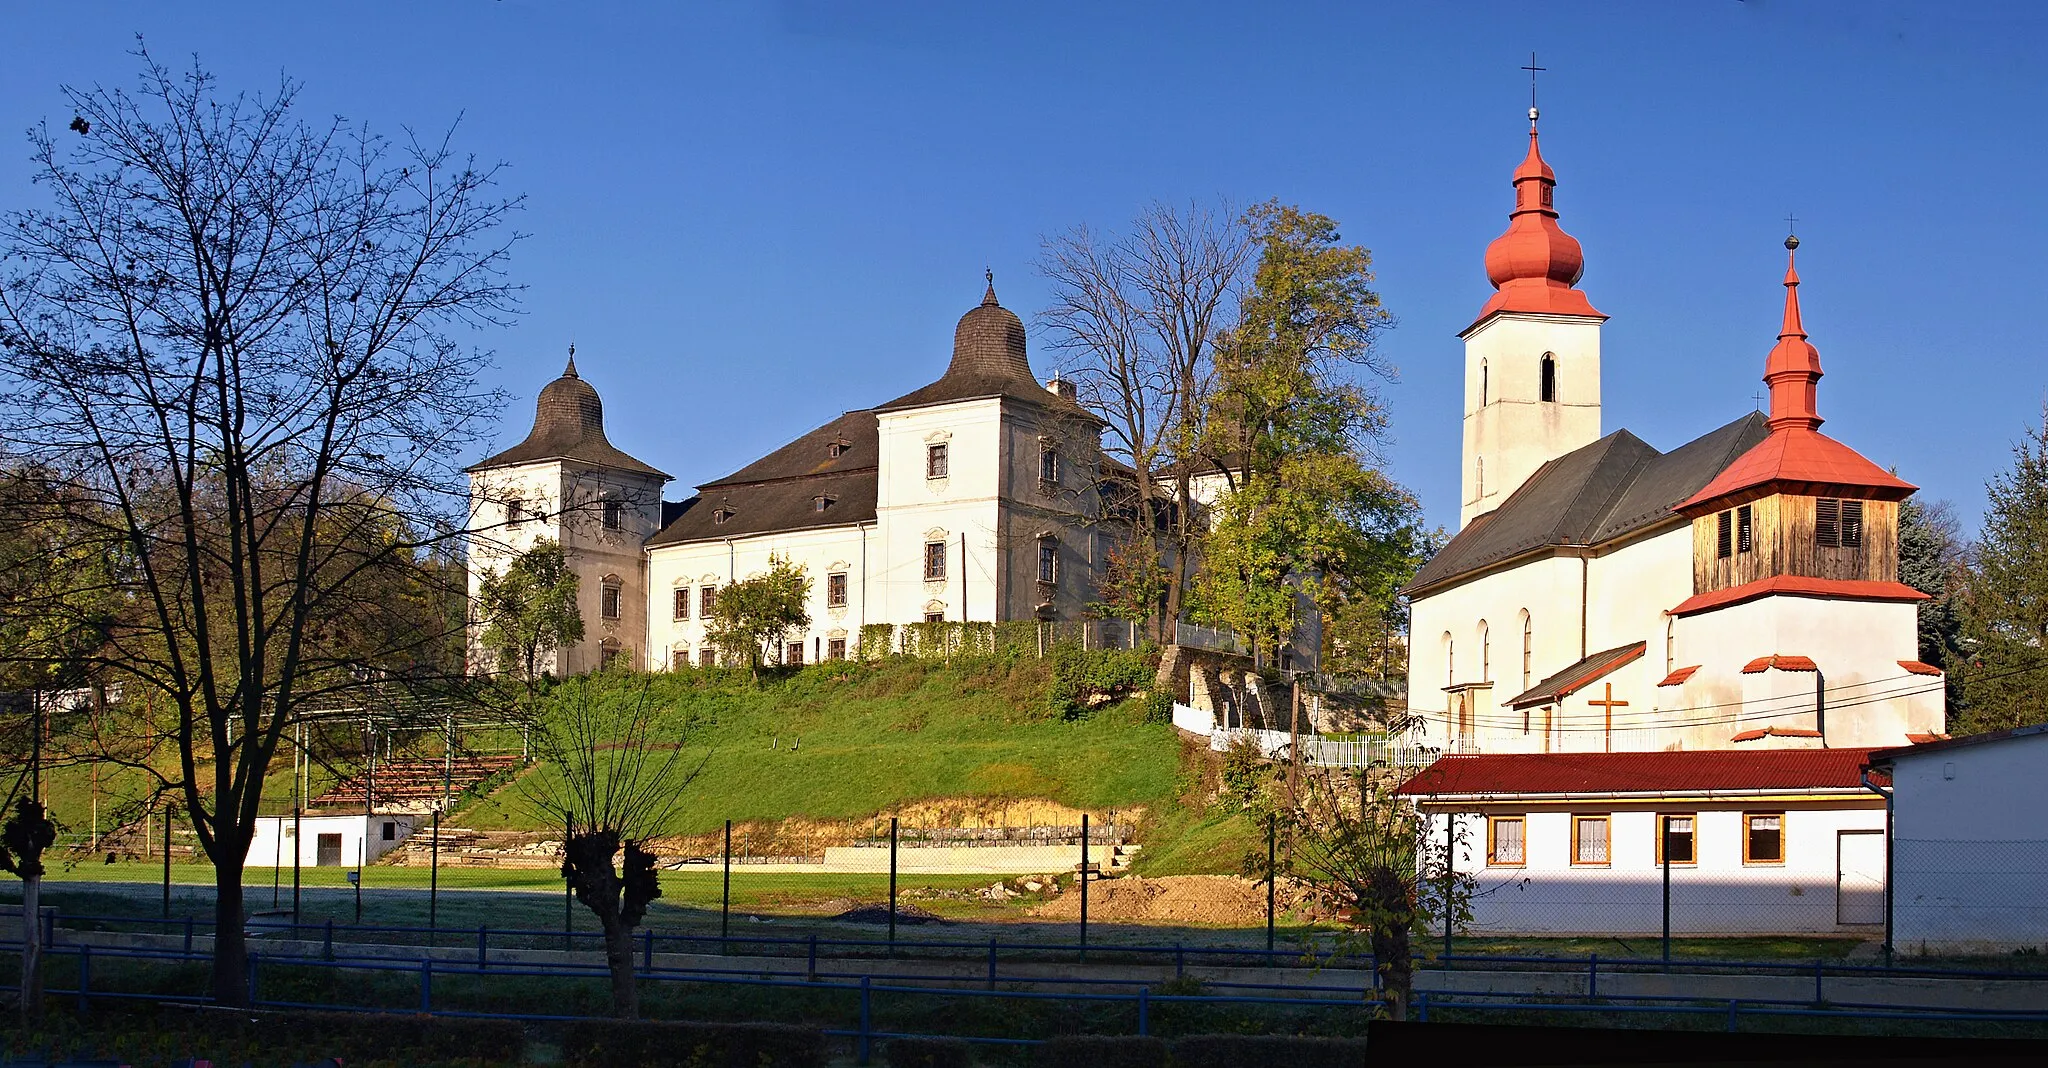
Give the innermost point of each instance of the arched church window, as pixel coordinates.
(1549, 376)
(1485, 653)
(1670, 646)
(1528, 648)
(1482, 382)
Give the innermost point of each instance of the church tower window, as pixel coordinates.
(1485, 652)
(1838, 524)
(1450, 660)
(1670, 646)
(1745, 529)
(1048, 560)
(614, 513)
(1048, 467)
(609, 598)
(935, 460)
(1482, 382)
(1549, 392)
(1724, 538)
(515, 512)
(934, 560)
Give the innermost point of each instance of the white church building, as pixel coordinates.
(976, 498)
(1740, 590)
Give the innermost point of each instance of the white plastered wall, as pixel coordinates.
(695, 565)
(1514, 432)
(911, 510)
(1970, 851)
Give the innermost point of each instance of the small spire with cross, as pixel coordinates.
(990, 296)
(1533, 70)
(1791, 231)
(570, 371)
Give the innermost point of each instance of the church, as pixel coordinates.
(1739, 591)
(977, 498)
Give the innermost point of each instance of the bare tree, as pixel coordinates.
(227, 337)
(1137, 315)
(614, 782)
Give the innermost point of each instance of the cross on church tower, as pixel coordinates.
(1533, 70)
(1608, 705)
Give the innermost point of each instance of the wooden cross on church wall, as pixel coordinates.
(1608, 705)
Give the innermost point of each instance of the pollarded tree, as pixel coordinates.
(2005, 600)
(752, 616)
(226, 338)
(528, 611)
(614, 780)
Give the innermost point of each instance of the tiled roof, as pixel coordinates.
(1677, 678)
(811, 454)
(1600, 774)
(568, 424)
(1918, 668)
(1799, 586)
(1782, 663)
(1584, 673)
(1592, 495)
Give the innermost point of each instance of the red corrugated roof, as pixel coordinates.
(1798, 460)
(1800, 586)
(1774, 732)
(1700, 771)
(1918, 668)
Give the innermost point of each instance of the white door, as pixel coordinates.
(1859, 877)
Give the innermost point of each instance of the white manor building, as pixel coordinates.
(976, 498)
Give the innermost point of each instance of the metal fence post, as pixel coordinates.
(84, 979)
(725, 897)
(434, 885)
(647, 950)
(327, 945)
(427, 984)
(1084, 886)
(482, 942)
(991, 962)
(1664, 861)
(892, 898)
(1592, 976)
(1450, 874)
(254, 999)
(188, 936)
(811, 963)
(1144, 1010)
(168, 811)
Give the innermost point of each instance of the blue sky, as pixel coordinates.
(752, 217)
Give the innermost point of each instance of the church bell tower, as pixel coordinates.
(1532, 357)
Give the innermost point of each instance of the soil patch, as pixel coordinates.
(1180, 899)
(906, 913)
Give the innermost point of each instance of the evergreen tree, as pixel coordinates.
(1930, 558)
(2005, 602)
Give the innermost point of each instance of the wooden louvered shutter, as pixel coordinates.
(1721, 535)
(1827, 521)
(1852, 524)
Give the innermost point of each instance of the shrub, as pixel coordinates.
(367, 1040)
(1236, 1051)
(928, 1053)
(1158, 706)
(1104, 1051)
(663, 1043)
(1081, 677)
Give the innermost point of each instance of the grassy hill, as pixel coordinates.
(842, 741)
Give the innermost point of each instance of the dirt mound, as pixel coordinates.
(1205, 899)
(906, 913)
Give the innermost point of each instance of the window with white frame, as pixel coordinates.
(835, 590)
(1048, 559)
(934, 560)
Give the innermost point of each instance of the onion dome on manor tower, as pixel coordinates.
(568, 424)
(1535, 266)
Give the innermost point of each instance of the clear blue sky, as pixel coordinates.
(752, 217)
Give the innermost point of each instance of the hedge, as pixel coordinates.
(928, 1053)
(1104, 1051)
(1237, 1051)
(360, 1040)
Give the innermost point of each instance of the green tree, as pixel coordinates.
(528, 611)
(1931, 559)
(752, 616)
(1293, 427)
(2005, 597)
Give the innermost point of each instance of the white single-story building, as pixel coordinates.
(328, 841)
(1773, 841)
(1969, 855)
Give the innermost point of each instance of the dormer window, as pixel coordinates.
(822, 502)
(721, 515)
(936, 461)
(838, 448)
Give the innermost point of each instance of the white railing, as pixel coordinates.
(1315, 750)
(1222, 641)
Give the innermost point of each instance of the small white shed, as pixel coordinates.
(1969, 856)
(328, 841)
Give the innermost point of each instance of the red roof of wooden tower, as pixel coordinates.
(1797, 457)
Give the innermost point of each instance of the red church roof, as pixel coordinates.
(1706, 771)
(1797, 457)
(1535, 266)
(1800, 586)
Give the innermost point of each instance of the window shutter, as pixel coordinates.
(1827, 521)
(1721, 535)
(1745, 529)
(1852, 524)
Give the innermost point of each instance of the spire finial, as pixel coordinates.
(570, 371)
(1793, 369)
(1791, 231)
(1533, 70)
(990, 296)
